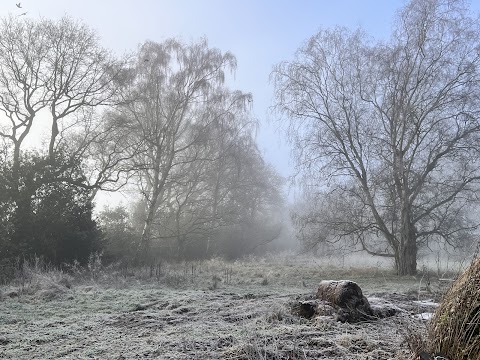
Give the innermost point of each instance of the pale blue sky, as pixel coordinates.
(259, 33)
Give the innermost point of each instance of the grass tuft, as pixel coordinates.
(35, 278)
(455, 328)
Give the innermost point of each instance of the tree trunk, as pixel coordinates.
(181, 247)
(214, 213)
(145, 242)
(181, 238)
(16, 169)
(406, 258)
(157, 188)
(53, 136)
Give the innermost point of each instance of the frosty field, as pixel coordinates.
(206, 310)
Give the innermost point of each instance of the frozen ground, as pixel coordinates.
(206, 310)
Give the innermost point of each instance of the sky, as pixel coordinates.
(260, 33)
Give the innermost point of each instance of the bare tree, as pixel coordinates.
(56, 68)
(82, 72)
(101, 143)
(232, 132)
(175, 88)
(22, 90)
(55, 75)
(393, 127)
(184, 213)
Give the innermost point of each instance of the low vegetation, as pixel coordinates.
(211, 309)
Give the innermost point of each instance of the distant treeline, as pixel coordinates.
(160, 122)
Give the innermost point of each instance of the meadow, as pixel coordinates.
(211, 309)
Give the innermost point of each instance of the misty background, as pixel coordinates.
(165, 125)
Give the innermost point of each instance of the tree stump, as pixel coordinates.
(347, 299)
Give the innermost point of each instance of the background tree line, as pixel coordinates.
(160, 121)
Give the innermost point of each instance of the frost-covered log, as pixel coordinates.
(347, 299)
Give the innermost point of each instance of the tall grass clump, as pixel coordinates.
(36, 277)
(455, 328)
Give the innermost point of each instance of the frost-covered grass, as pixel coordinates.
(201, 310)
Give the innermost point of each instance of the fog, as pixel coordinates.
(239, 180)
